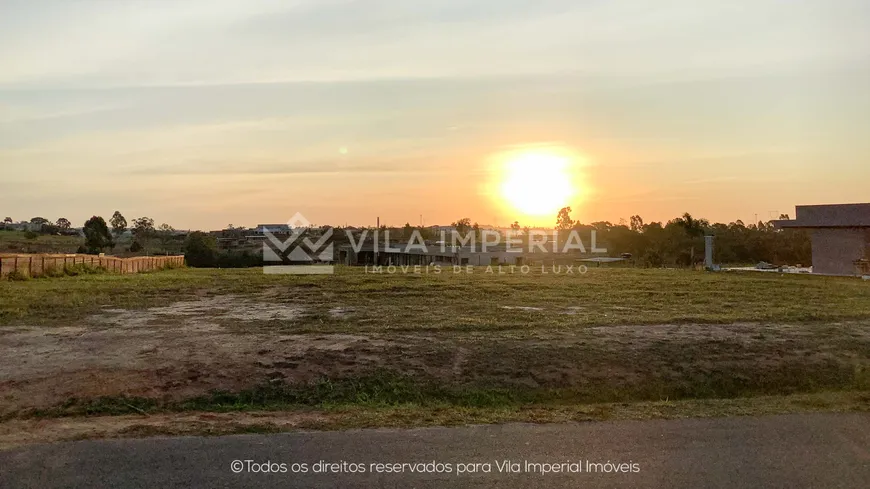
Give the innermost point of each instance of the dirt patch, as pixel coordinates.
(43, 367)
(341, 312)
(459, 361)
(188, 349)
(223, 307)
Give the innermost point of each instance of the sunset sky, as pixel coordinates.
(202, 113)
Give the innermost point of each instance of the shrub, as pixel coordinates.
(17, 275)
(171, 266)
(200, 250)
(242, 259)
(652, 258)
(83, 269)
(53, 272)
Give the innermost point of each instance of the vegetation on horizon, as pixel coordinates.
(678, 242)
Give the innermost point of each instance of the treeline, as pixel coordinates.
(680, 241)
(677, 242)
(40, 226)
(101, 236)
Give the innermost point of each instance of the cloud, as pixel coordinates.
(14, 116)
(126, 43)
(362, 19)
(278, 167)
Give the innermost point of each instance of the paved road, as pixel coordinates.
(817, 450)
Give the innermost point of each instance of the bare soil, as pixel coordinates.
(231, 342)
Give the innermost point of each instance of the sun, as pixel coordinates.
(537, 184)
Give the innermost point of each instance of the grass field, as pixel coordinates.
(17, 242)
(363, 349)
(451, 301)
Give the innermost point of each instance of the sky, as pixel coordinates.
(203, 113)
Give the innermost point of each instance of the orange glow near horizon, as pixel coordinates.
(533, 184)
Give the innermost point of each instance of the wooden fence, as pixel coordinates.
(35, 265)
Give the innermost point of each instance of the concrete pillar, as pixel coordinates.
(708, 252)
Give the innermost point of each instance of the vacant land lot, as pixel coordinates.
(19, 242)
(428, 348)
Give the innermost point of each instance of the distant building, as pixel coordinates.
(840, 236)
(442, 229)
(17, 226)
(34, 226)
(433, 253)
(273, 228)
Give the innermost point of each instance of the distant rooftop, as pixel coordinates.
(828, 216)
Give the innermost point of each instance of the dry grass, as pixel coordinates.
(427, 348)
(19, 432)
(448, 301)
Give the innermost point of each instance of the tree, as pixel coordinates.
(119, 223)
(63, 223)
(164, 233)
(200, 250)
(462, 226)
(515, 226)
(692, 226)
(42, 226)
(563, 219)
(8, 220)
(97, 236)
(636, 224)
(685, 236)
(143, 229)
(143, 225)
